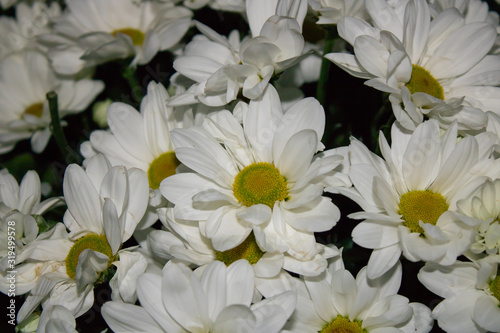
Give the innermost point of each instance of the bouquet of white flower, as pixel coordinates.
(257, 166)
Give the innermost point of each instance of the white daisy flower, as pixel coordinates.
(214, 299)
(331, 11)
(482, 204)
(183, 240)
(261, 176)
(31, 20)
(335, 301)
(409, 198)
(92, 32)
(142, 140)
(25, 79)
(220, 67)
(439, 69)
(105, 204)
(471, 293)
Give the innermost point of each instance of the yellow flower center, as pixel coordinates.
(343, 325)
(97, 243)
(162, 167)
(495, 287)
(422, 206)
(248, 250)
(422, 81)
(260, 183)
(137, 36)
(34, 110)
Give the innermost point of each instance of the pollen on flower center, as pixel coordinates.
(424, 206)
(97, 243)
(248, 250)
(34, 110)
(137, 36)
(495, 287)
(343, 325)
(422, 81)
(260, 183)
(162, 167)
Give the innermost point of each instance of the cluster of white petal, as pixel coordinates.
(452, 47)
(213, 299)
(103, 201)
(220, 67)
(89, 33)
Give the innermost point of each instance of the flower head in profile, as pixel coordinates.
(482, 204)
(105, 204)
(262, 176)
(436, 68)
(409, 198)
(214, 299)
(92, 32)
(19, 205)
(25, 79)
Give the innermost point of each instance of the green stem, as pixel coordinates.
(331, 33)
(55, 125)
(129, 74)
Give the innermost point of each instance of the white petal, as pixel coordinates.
(112, 227)
(126, 318)
(235, 318)
(297, 154)
(90, 263)
(82, 200)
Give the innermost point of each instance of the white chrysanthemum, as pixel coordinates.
(142, 140)
(18, 202)
(92, 32)
(105, 204)
(183, 240)
(213, 299)
(432, 68)
(31, 21)
(335, 301)
(331, 11)
(410, 197)
(483, 204)
(471, 293)
(261, 176)
(220, 67)
(25, 79)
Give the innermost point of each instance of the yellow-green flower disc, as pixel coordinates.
(34, 110)
(495, 287)
(97, 243)
(343, 325)
(162, 167)
(248, 250)
(260, 183)
(137, 36)
(424, 206)
(422, 81)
